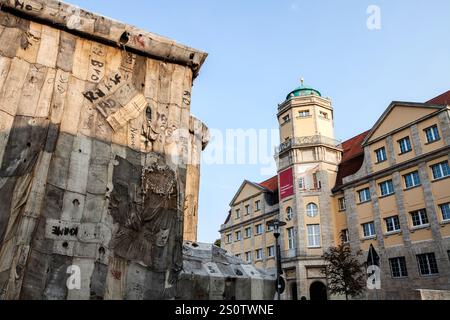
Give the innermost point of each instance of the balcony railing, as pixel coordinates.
(306, 141)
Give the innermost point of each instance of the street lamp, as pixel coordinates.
(276, 224)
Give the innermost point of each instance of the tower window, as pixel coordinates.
(304, 113)
(289, 213)
(323, 114)
(311, 210)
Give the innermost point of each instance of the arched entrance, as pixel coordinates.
(294, 291)
(317, 291)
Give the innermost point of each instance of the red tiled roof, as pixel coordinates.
(352, 157)
(443, 99)
(270, 184)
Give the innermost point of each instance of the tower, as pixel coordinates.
(307, 163)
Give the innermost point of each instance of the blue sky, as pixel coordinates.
(258, 51)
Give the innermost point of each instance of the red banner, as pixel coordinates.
(286, 183)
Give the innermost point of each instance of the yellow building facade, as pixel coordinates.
(388, 187)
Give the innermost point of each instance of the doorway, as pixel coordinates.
(318, 291)
(294, 291)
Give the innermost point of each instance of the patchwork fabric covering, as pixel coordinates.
(98, 155)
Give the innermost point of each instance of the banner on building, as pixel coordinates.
(286, 183)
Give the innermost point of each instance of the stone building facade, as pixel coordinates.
(388, 187)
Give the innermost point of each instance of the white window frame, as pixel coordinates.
(258, 229)
(289, 213)
(371, 229)
(248, 256)
(257, 205)
(291, 238)
(380, 154)
(345, 236)
(440, 165)
(423, 218)
(312, 209)
(301, 183)
(304, 113)
(447, 206)
(428, 263)
(434, 133)
(314, 238)
(389, 188)
(238, 235)
(391, 221)
(259, 254)
(398, 264)
(271, 251)
(411, 178)
(248, 232)
(229, 238)
(238, 213)
(247, 209)
(405, 145)
(367, 197)
(341, 204)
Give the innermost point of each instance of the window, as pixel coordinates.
(392, 224)
(259, 254)
(313, 235)
(432, 134)
(440, 170)
(248, 232)
(368, 229)
(258, 229)
(323, 114)
(303, 113)
(286, 119)
(238, 213)
(448, 253)
(345, 237)
(271, 251)
(248, 256)
(257, 205)
(427, 264)
(405, 145)
(269, 228)
(386, 188)
(381, 154)
(445, 211)
(311, 209)
(289, 213)
(247, 209)
(238, 235)
(412, 179)
(291, 238)
(238, 255)
(419, 218)
(341, 204)
(364, 195)
(398, 267)
(301, 183)
(229, 238)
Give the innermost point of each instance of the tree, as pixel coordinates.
(217, 243)
(344, 272)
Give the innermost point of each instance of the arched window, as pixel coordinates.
(289, 213)
(311, 209)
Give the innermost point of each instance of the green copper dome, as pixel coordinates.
(303, 91)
